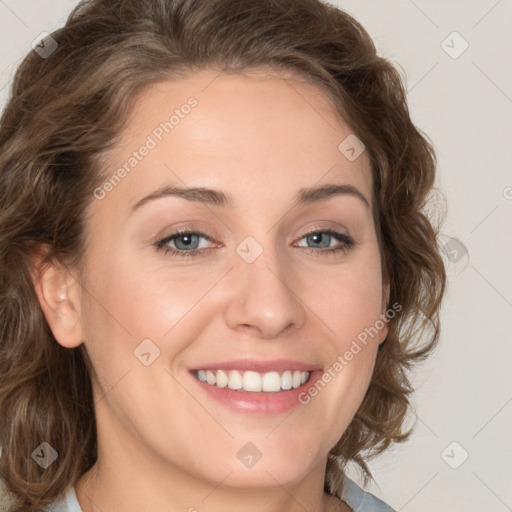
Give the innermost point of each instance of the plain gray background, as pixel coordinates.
(463, 101)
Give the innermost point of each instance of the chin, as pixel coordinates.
(266, 466)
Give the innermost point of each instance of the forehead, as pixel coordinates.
(265, 134)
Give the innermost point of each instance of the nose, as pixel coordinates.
(262, 298)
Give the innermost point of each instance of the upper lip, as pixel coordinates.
(276, 365)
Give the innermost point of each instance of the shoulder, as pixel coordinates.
(362, 501)
(68, 503)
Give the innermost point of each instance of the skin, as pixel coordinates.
(164, 444)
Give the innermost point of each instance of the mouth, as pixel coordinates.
(255, 386)
(253, 382)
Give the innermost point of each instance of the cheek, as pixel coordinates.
(128, 301)
(350, 306)
(357, 308)
(348, 300)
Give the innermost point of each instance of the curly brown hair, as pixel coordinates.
(69, 107)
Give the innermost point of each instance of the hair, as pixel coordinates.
(67, 109)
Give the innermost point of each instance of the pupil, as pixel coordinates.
(185, 241)
(317, 238)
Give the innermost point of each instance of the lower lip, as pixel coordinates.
(262, 402)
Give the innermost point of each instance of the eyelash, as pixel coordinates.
(347, 243)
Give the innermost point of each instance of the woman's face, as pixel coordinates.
(251, 293)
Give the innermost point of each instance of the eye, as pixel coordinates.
(183, 243)
(324, 238)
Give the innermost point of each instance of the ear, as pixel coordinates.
(385, 301)
(385, 297)
(57, 291)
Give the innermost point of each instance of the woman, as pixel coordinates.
(215, 266)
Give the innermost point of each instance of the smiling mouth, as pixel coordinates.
(255, 382)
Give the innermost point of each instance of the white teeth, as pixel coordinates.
(296, 379)
(221, 379)
(270, 382)
(235, 380)
(251, 381)
(286, 380)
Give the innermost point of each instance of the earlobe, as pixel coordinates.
(57, 291)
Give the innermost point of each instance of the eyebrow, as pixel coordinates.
(210, 196)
